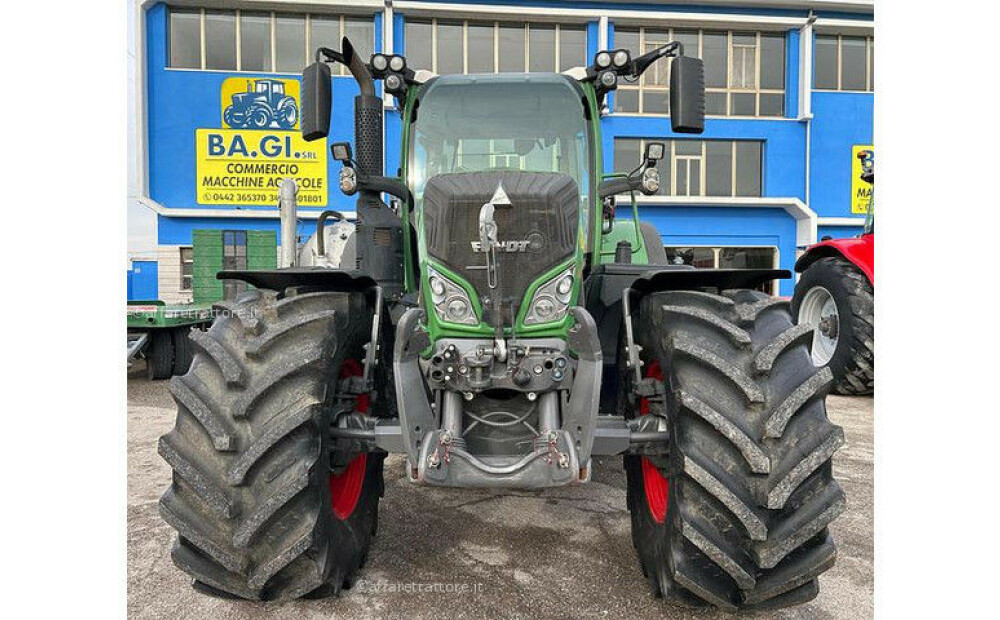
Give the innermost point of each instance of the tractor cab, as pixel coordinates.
(273, 90)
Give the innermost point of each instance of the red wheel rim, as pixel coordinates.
(656, 485)
(345, 487)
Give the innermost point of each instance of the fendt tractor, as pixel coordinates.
(836, 295)
(498, 324)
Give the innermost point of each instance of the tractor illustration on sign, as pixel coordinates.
(263, 106)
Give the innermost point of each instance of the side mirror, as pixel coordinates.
(687, 95)
(316, 101)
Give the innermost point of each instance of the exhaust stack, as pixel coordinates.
(288, 212)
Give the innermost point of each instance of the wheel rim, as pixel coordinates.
(345, 487)
(260, 119)
(657, 487)
(819, 310)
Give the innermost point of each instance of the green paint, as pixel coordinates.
(600, 246)
(207, 251)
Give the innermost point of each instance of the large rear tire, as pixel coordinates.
(837, 299)
(259, 511)
(736, 516)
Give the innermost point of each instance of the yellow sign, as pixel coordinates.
(244, 167)
(862, 162)
(260, 103)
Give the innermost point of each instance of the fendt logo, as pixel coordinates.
(504, 246)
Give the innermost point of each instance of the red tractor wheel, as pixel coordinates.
(656, 485)
(346, 485)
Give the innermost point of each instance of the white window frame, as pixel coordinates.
(869, 44)
(309, 49)
(675, 174)
(526, 25)
(641, 87)
(180, 256)
(671, 153)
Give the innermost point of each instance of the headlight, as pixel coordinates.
(451, 302)
(650, 181)
(551, 300)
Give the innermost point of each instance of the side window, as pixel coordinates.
(185, 39)
(289, 43)
(220, 40)
(842, 62)
(261, 41)
(700, 167)
(448, 46)
(187, 267)
(744, 71)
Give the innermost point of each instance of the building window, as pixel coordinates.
(458, 46)
(185, 39)
(187, 268)
(744, 71)
(220, 40)
(261, 41)
(234, 256)
(727, 257)
(699, 167)
(844, 63)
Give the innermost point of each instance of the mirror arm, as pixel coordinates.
(330, 55)
(620, 185)
(350, 59)
(640, 64)
(389, 185)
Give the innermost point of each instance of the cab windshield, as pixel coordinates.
(478, 123)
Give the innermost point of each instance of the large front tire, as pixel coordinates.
(253, 497)
(736, 516)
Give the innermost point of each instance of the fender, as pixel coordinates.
(312, 277)
(606, 284)
(859, 251)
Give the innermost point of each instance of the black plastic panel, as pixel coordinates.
(539, 229)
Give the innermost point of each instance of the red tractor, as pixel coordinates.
(836, 294)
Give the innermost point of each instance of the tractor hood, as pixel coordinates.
(535, 233)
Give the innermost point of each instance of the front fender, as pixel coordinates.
(605, 285)
(313, 277)
(859, 251)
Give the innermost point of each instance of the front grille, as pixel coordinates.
(541, 225)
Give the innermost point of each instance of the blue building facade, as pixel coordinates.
(790, 97)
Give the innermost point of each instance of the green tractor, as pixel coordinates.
(499, 326)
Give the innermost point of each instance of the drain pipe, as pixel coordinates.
(288, 212)
(805, 95)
